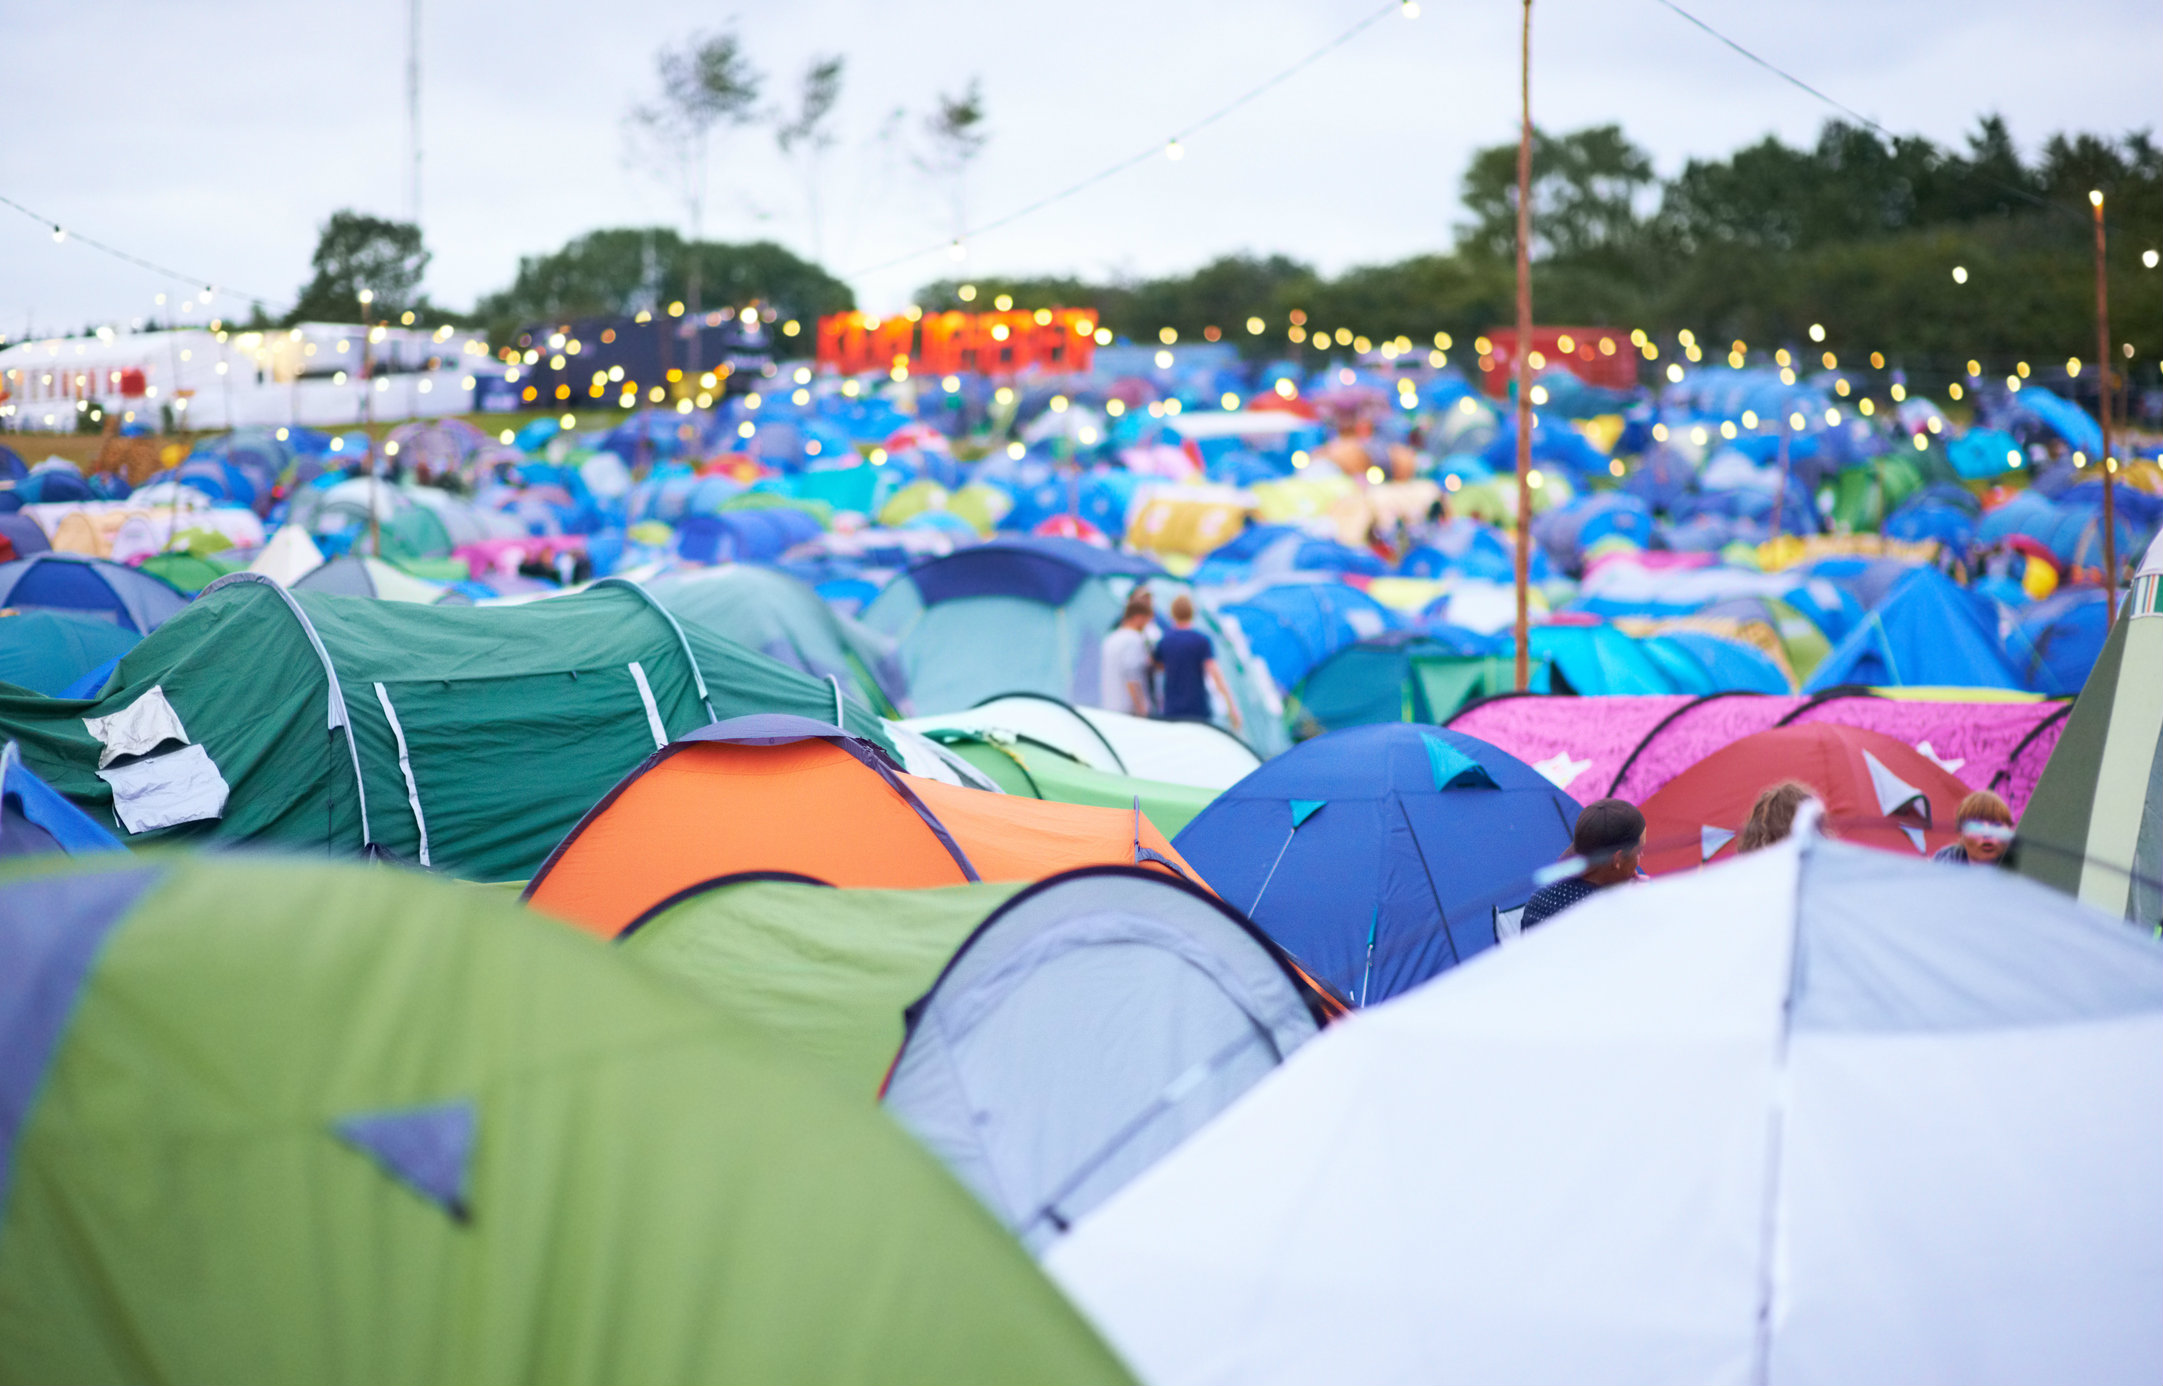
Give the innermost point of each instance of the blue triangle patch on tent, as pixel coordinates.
(1711, 840)
(1304, 809)
(427, 1149)
(1453, 769)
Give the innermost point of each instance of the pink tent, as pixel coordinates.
(1630, 747)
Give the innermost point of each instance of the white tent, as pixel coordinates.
(1189, 753)
(1820, 1114)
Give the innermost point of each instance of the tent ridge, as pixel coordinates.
(683, 642)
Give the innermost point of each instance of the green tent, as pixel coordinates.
(2094, 826)
(189, 572)
(466, 739)
(1020, 765)
(1399, 676)
(314, 1122)
(827, 971)
(786, 619)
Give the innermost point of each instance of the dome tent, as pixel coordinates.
(1089, 1025)
(1377, 857)
(319, 1123)
(1925, 632)
(1200, 754)
(46, 651)
(128, 597)
(1820, 1114)
(783, 618)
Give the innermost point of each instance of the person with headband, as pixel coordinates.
(1986, 829)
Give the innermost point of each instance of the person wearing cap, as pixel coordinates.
(1609, 836)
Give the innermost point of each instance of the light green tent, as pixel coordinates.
(827, 971)
(1020, 765)
(784, 618)
(312, 1122)
(466, 739)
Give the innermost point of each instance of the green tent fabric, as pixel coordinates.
(784, 618)
(1402, 676)
(1035, 771)
(189, 572)
(318, 1122)
(2093, 828)
(828, 972)
(480, 735)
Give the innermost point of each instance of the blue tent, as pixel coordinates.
(1377, 856)
(1294, 626)
(49, 651)
(1729, 665)
(128, 597)
(35, 817)
(1567, 531)
(1594, 660)
(2062, 417)
(1927, 632)
(2058, 639)
(1270, 551)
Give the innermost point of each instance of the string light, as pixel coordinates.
(1173, 151)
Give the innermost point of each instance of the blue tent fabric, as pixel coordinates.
(35, 817)
(2062, 417)
(1421, 868)
(128, 597)
(1927, 632)
(427, 1149)
(1040, 570)
(2057, 641)
(50, 651)
(1732, 665)
(1295, 626)
(22, 535)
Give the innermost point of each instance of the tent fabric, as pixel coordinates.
(1820, 1114)
(1024, 766)
(46, 651)
(35, 818)
(1090, 1025)
(1925, 631)
(267, 1075)
(783, 618)
(1200, 754)
(1630, 747)
(828, 972)
(468, 740)
(1876, 789)
(2095, 824)
(128, 597)
(1039, 570)
(364, 575)
(1398, 875)
(1293, 627)
(734, 799)
(1402, 676)
(20, 537)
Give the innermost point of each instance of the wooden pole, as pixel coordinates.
(1524, 363)
(2102, 413)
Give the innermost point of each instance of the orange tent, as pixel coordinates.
(786, 794)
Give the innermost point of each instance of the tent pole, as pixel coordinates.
(1524, 360)
(2102, 413)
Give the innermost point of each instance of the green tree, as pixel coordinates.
(1586, 186)
(804, 135)
(354, 251)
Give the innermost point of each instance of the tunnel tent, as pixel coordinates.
(787, 781)
(1200, 754)
(2094, 827)
(313, 1122)
(1092, 1023)
(1379, 856)
(828, 971)
(1027, 767)
(1940, 1047)
(784, 618)
(128, 597)
(468, 740)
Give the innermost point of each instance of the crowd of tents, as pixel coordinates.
(667, 900)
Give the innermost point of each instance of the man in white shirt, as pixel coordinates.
(1126, 662)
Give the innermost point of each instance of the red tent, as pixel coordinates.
(1877, 790)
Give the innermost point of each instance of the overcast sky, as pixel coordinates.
(213, 136)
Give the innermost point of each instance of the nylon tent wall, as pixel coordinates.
(364, 575)
(1026, 767)
(1191, 753)
(318, 1123)
(829, 972)
(1402, 676)
(1926, 631)
(20, 537)
(1821, 1114)
(128, 597)
(1876, 790)
(2095, 825)
(45, 651)
(1377, 856)
(465, 739)
(769, 793)
(34, 818)
(1090, 1025)
(784, 619)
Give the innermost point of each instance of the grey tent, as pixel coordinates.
(1087, 1027)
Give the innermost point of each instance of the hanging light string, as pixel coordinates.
(1172, 147)
(209, 287)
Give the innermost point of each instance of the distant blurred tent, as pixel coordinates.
(1091, 1024)
(783, 618)
(48, 651)
(94, 587)
(1199, 754)
(1412, 675)
(1927, 632)
(2058, 641)
(20, 537)
(404, 1050)
(356, 575)
(787, 782)
(1293, 626)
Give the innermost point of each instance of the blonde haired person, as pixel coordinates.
(1979, 845)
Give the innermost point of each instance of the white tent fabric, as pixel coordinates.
(1188, 753)
(1817, 1114)
(290, 555)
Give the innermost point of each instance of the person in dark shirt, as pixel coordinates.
(1610, 834)
(1189, 661)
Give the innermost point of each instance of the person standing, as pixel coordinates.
(1189, 659)
(1126, 660)
(1610, 835)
